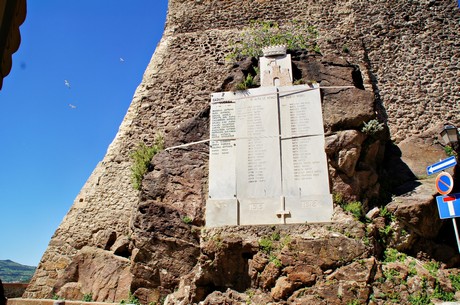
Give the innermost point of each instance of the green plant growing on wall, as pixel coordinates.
(338, 199)
(87, 297)
(266, 245)
(273, 242)
(131, 300)
(440, 294)
(412, 270)
(141, 158)
(57, 297)
(260, 34)
(372, 127)
(455, 281)
(392, 255)
(247, 83)
(432, 267)
(449, 151)
(355, 208)
(391, 274)
(387, 214)
(187, 219)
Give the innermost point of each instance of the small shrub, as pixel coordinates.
(275, 260)
(390, 274)
(131, 300)
(412, 270)
(449, 151)
(385, 232)
(372, 127)
(141, 158)
(275, 236)
(455, 281)
(286, 240)
(338, 199)
(355, 208)
(266, 245)
(392, 255)
(442, 295)
(87, 297)
(187, 219)
(56, 297)
(250, 293)
(260, 34)
(299, 82)
(419, 299)
(432, 267)
(387, 214)
(247, 83)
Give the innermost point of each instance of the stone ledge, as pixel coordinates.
(20, 301)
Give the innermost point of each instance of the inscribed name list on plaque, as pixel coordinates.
(305, 172)
(222, 205)
(267, 163)
(258, 171)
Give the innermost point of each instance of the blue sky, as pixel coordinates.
(52, 136)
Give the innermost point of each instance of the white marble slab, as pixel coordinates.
(300, 111)
(258, 168)
(260, 211)
(310, 208)
(222, 153)
(257, 176)
(305, 169)
(221, 212)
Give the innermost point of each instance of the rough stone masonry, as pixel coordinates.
(408, 54)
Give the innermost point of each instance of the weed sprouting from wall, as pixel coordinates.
(247, 83)
(141, 158)
(260, 34)
(372, 127)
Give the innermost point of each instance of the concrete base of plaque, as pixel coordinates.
(260, 211)
(310, 208)
(221, 212)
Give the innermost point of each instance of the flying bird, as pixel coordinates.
(72, 106)
(66, 82)
(121, 59)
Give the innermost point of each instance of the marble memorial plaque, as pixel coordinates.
(300, 111)
(305, 168)
(222, 212)
(310, 208)
(222, 155)
(260, 211)
(258, 165)
(267, 163)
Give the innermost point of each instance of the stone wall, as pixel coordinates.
(14, 290)
(409, 52)
(412, 48)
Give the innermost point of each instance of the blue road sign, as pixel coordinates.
(448, 206)
(441, 165)
(444, 183)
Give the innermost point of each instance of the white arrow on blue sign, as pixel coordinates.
(441, 165)
(448, 206)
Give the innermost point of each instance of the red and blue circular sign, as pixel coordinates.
(444, 183)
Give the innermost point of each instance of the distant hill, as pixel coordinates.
(11, 272)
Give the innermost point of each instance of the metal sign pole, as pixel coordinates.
(456, 234)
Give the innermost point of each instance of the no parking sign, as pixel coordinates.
(444, 183)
